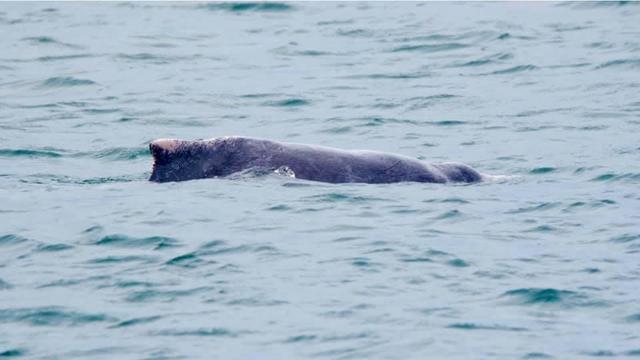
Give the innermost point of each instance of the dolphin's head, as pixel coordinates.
(457, 172)
(179, 160)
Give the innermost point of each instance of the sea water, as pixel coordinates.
(542, 262)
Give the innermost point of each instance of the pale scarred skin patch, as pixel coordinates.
(167, 144)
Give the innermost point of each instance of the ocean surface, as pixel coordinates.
(543, 262)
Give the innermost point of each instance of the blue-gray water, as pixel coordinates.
(96, 262)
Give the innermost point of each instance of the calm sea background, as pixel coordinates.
(98, 263)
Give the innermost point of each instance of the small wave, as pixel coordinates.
(287, 52)
(380, 121)
(537, 355)
(430, 48)
(458, 263)
(529, 113)
(50, 316)
(391, 76)
(300, 338)
(630, 63)
(239, 7)
(29, 153)
(188, 260)
(363, 262)
(197, 332)
(540, 207)
(635, 318)
(293, 102)
(596, 4)
(451, 214)
(141, 56)
(47, 40)
(601, 45)
(5, 285)
(100, 111)
(475, 36)
(120, 259)
(156, 58)
(435, 252)
(514, 70)
(331, 338)
(119, 153)
(63, 57)
(473, 326)
(432, 97)
(279, 207)
(164, 295)
(337, 130)
(13, 353)
(542, 170)
(215, 248)
(340, 197)
(452, 200)
(11, 239)
(106, 180)
(41, 39)
(422, 102)
(312, 53)
(335, 22)
(447, 122)
(66, 81)
(136, 321)
(478, 62)
(548, 296)
(236, 250)
(53, 247)
(418, 259)
(259, 95)
(119, 240)
(255, 302)
(542, 229)
(355, 33)
(492, 59)
(625, 238)
(617, 177)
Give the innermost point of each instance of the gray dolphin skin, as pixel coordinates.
(180, 160)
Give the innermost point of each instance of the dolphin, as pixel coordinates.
(180, 160)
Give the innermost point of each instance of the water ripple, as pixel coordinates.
(474, 326)
(628, 63)
(164, 295)
(11, 239)
(118, 153)
(429, 48)
(514, 69)
(550, 296)
(542, 170)
(617, 177)
(50, 316)
(293, 102)
(65, 81)
(342, 197)
(137, 321)
(30, 153)
(217, 332)
(13, 353)
(119, 240)
(240, 7)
